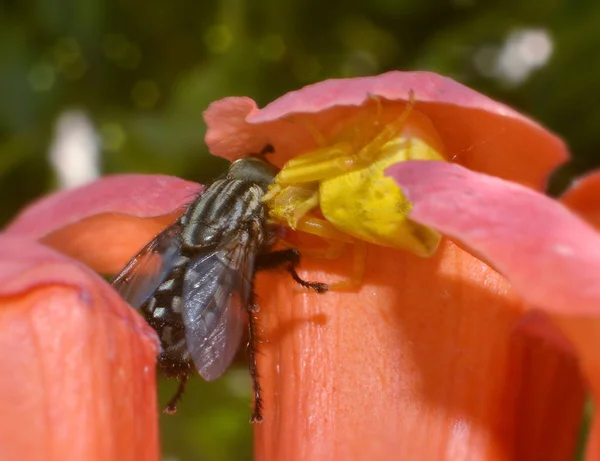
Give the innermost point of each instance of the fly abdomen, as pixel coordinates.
(163, 312)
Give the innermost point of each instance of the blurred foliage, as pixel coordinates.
(144, 71)
(211, 422)
(584, 432)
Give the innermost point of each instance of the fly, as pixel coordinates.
(194, 281)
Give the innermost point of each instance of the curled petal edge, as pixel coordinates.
(478, 132)
(103, 224)
(26, 265)
(549, 254)
(141, 196)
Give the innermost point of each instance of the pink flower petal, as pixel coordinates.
(77, 373)
(105, 223)
(130, 194)
(551, 256)
(478, 132)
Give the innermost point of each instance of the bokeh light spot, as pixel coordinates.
(74, 151)
(523, 52)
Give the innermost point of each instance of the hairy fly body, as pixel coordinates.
(194, 281)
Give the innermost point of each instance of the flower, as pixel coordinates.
(432, 357)
(429, 359)
(552, 257)
(77, 372)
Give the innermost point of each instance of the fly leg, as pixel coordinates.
(290, 258)
(252, 346)
(171, 407)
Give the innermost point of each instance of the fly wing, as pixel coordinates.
(216, 292)
(149, 268)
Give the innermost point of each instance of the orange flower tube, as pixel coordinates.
(77, 377)
(426, 361)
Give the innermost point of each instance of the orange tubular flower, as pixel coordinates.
(426, 360)
(77, 377)
(553, 261)
(430, 358)
(77, 369)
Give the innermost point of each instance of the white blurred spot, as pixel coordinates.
(523, 52)
(75, 150)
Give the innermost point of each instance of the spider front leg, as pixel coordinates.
(337, 243)
(329, 161)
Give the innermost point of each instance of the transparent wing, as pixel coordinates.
(149, 268)
(216, 291)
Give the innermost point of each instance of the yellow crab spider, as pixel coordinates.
(344, 178)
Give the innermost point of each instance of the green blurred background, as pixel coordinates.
(110, 87)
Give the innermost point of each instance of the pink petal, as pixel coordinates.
(551, 256)
(105, 223)
(478, 132)
(77, 373)
(129, 194)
